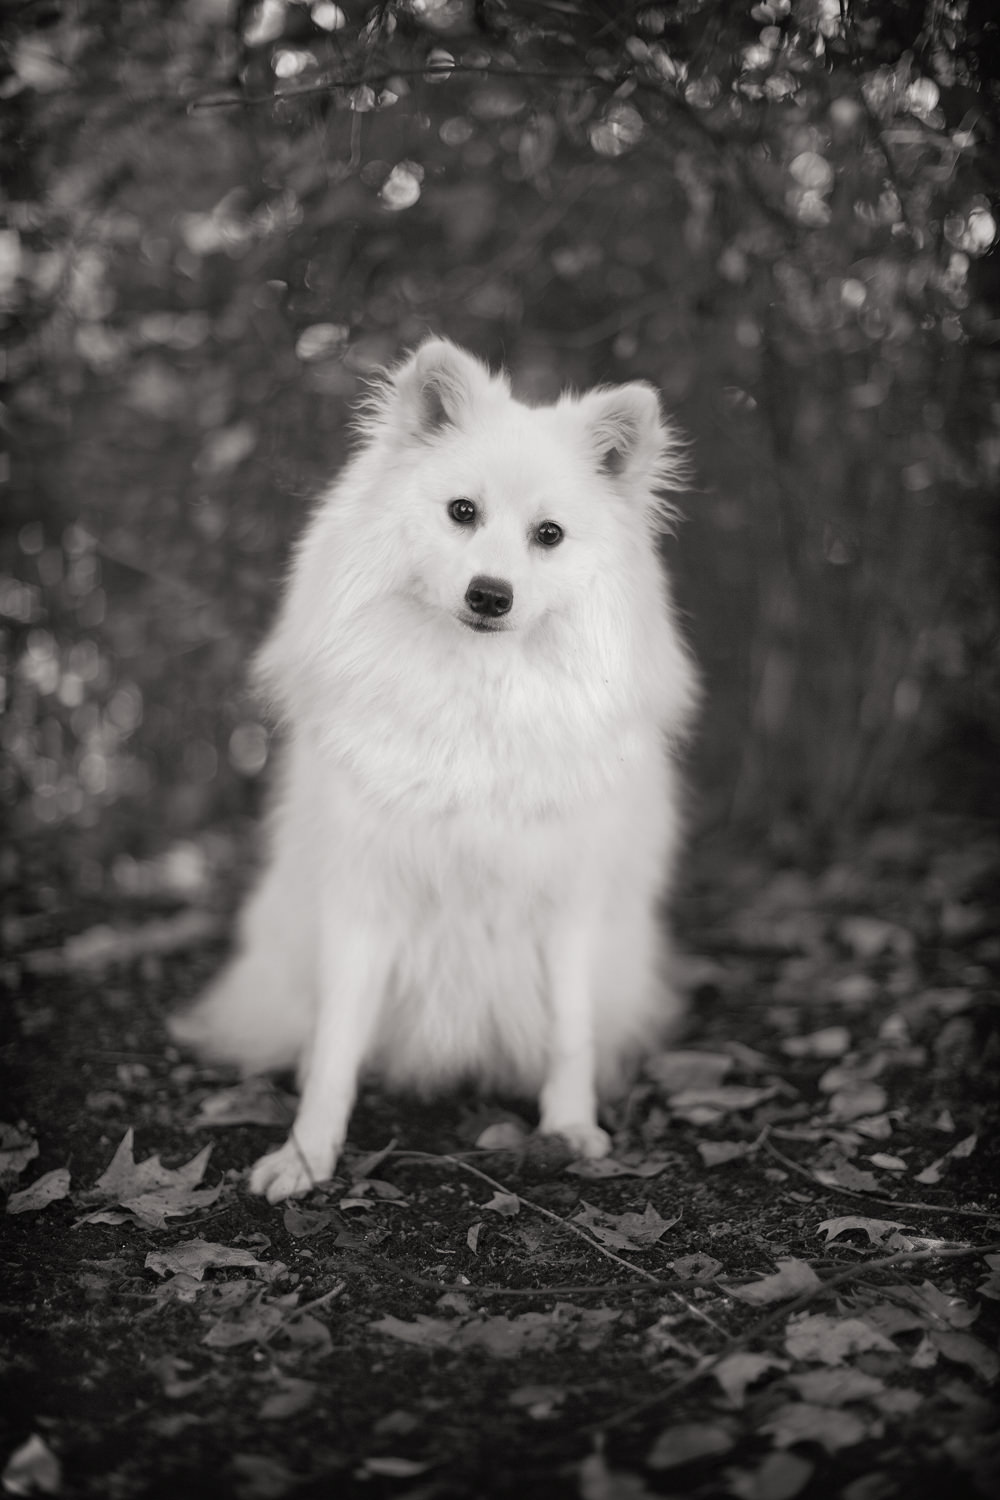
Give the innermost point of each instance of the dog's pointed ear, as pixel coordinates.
(438, 386)
(633, 445)
(625, 428)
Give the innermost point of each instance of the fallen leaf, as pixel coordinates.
(507, 1205)
(195, 1257)
(290, 1397)
(991, 1286)
(875, 1229)
(149, 1192)
(933, 1174)
(898, 1403)
(366, 1166)
(371, 1187)
(791, 1279)
(307, 1334)
(508, 1338)
(393, 1468)
(259, 1478)
(678, 1069)
(472, 1237)
(836, 1387)
(717, 1153)
(845, 1175)
(505, 1135)
(423, 1331)
(900, 1241)
(169, 1370)
(964, 1349)
(830, 1340)
(853, 1072)
(48, 1188)
(499, 1336)
(801, 1422)
(179, 1288)
(705, 1106)
(629, 1231)
(887, 1163)
(737, 1371)
(831, 1041)
(936, 1307)
(591, 1324)
(152, 1210)
(780, 1476)
(257, 1101)
(687, 1442)
(396, 1423)
(538, 1401)
(890, 1320)
(124, 1177)
(32, 1469)
(255, 1323)
(301, 1223)
(17, 1147)
(862, 1099)
(925, 1356)
(696, 1267)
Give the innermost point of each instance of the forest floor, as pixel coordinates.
(785, 1283)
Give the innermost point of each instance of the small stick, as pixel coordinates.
(537, 1208)
(928, 1208)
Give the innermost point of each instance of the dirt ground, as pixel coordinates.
(786, 1282)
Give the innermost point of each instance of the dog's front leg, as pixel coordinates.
(352, 971)
(569, 1094)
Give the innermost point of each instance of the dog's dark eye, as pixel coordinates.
(462, 511)
(549, 534)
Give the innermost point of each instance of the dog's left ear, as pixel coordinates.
(439, 386)
(626, 430)
(634, 446)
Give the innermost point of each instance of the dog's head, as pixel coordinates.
(509, 513)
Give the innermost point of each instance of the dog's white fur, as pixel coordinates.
(473, 829)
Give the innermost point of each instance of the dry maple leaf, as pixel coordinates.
(791, 1279)
(194, 1257)
(147, 1191)
(47, 1189)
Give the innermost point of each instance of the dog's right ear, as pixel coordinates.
(439, 386)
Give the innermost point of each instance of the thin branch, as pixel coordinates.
(374, 80)
(929, 1208)
(537, 1208)
(480, 1289)
(780, 1314)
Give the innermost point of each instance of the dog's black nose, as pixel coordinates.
(489, 597)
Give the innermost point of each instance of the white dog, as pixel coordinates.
(482, 688)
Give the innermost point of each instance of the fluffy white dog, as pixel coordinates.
(482, 688)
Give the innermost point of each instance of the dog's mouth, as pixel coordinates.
(481, 626)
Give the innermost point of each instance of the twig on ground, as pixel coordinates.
(479, 1289)
(537, 1208)
(929, 1208)
(308, 1307)
(777, 1315)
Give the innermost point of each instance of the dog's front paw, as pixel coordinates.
(583, 1140)
(290, 1172)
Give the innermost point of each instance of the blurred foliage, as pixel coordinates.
(220, 218)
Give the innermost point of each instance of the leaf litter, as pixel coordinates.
(803, 1357)
(147, 1193)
